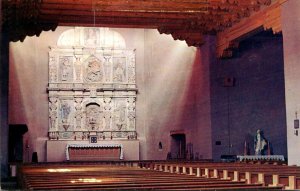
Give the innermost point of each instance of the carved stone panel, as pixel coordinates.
(119, 70)
(120, 115)
(66, 68)
(66, 114)
(93, 70)
(53, 113)
(93, 117)
(91, 87)
(91, 36)
(52, 68)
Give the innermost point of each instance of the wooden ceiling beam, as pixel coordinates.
(138, 5)
(269, 18)
(183, 19)
(79, 13)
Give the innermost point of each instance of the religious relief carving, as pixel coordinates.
(131, 113)
(66, 69)
(107, 113)
(94, 71)
(65, 114)
(119, 69)
(120, 115)
(91, 36)
(93, 117)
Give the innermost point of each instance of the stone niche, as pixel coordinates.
(92, 88)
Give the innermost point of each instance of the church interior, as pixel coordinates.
(156, 94)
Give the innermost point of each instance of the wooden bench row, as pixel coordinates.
(270, 175)
(107, 177)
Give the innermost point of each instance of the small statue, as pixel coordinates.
(260, 143)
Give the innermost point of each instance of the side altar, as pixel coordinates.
(92, 91)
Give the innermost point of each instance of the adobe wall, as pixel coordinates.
(255, 101)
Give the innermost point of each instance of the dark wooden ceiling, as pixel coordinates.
(184, 19)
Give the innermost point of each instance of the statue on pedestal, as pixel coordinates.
(260, 143)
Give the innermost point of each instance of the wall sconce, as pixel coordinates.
(296, 125)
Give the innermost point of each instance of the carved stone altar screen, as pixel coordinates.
(92, 86)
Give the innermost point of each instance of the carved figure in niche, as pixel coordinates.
(120, 114)
(260, 143)
(107, 113)
(93, 116)
(119, 71)
(66, 70)
(90, 36)
(65, 111)
(93, 71)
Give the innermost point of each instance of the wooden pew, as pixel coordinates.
(252, 173)
(72, 177)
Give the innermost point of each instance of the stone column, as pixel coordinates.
(291, 44)
(4, 65)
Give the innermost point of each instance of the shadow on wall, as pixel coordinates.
(16, 108)
(194, 108)
(257, 100)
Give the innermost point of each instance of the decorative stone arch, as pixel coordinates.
(91, 37)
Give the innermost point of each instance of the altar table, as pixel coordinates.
(94, 152)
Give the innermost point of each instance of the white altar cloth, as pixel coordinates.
(261, 157)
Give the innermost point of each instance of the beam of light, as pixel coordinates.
(59, 170)
(86, 180)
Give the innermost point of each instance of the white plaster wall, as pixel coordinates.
(177, 94)
(291, 44)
